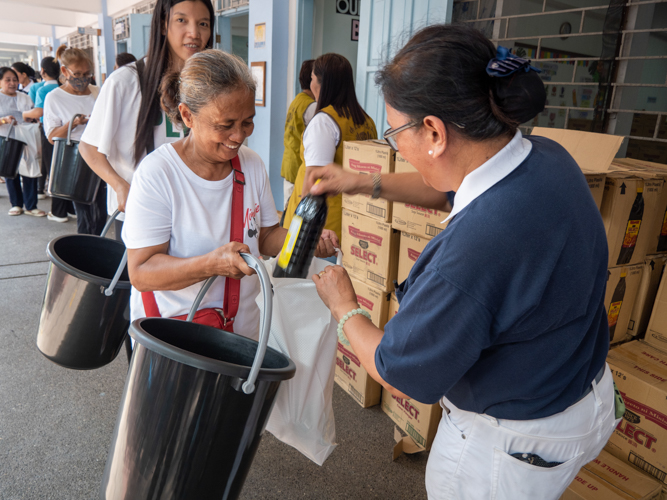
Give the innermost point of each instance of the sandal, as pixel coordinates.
(35, 212)
(15, 211)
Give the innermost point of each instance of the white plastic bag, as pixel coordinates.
(303, 329)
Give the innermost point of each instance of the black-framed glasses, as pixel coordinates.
(389, 135)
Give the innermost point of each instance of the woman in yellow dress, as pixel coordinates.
(338, 118)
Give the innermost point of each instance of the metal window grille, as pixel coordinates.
(121, 28)
(604, 63)
(80, 41)
(224, 5)
(145, 8)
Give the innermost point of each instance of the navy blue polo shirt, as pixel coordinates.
(503, 312)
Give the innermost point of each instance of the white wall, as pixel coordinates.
(332, 32)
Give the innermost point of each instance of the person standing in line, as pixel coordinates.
(26, 76)
(75, 97)
(127, 122)
(123, 59)
(502, 318)
(299, 114)
(338, 118)
(22, 189)
(50, 71)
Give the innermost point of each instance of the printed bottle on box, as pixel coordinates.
(662, 242)
(616, 304)
(632, 229)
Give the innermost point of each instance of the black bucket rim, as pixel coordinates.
(205, 363)
(77, 273)
(64, 139)
(7, 139)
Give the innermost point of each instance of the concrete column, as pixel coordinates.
(267, 139)
(106, 43)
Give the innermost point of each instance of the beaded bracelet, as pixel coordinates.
(341, 323)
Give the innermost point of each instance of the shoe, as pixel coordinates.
(15, 211)
(2, 180)
(35, 212)
(41, 196)
(73, 216)
(52, 217)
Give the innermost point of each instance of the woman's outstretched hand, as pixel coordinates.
(335, 180)
(336, 291)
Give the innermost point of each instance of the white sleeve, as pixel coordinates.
(105, 119)
(149, 206)
(25, 103)
(320, 140)
(51, 119)
(309, 113)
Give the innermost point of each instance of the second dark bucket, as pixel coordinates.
(71, 177)
(11, 151)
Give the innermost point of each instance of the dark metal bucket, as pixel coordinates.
(194, 408)
(71, 177)
(86, 309)
(11, 151)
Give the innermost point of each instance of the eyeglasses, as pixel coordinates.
(390, 133)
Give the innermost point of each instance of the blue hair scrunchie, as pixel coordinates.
(505, 63)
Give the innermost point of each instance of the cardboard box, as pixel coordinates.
(656, 333)
(657, 222)
(607, 477)
(648, 289)
(592, 152)
(414, 219)
(370, 250)
(622, 287)
(354, 379)
(411, 247)
(640, 439)
(417, 420)
(373, 300)
(623, 226)
(365, 158)
(393, 306)
(647, 150)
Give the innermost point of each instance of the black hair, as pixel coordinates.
(305, 75)
(22, 67)
(441, 71)
(124, 58)
(5, 69)
(334, 73)
(51, 67)
(157, 64)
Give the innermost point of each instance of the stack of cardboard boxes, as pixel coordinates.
(634, 212)
(381, 241)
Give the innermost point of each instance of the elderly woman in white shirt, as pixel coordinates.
(22, 189)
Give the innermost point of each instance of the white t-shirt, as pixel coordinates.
(169, 202)
(309, 113)
(61, 106)
(15, 106)
(320, 140)
(113, 125)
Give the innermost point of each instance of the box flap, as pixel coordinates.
(593, 152)
(623, 476)
(643, 361)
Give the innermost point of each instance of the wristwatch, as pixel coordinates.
(377, 186)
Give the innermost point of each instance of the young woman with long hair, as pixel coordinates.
(338, 118)
(127, 122)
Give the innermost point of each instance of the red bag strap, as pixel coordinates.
(230, 305)
(232, 286)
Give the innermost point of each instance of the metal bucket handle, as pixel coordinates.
(11, 128)
(69, 128)
(123, 261)
(265, 321)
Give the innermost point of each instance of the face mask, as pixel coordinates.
(79, 84)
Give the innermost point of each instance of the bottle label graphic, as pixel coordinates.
(290, 241)
(631, 233)
(614, 311)
(663, 232)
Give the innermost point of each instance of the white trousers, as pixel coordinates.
(470, 457)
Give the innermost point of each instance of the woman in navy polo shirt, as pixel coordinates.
(501, 319)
